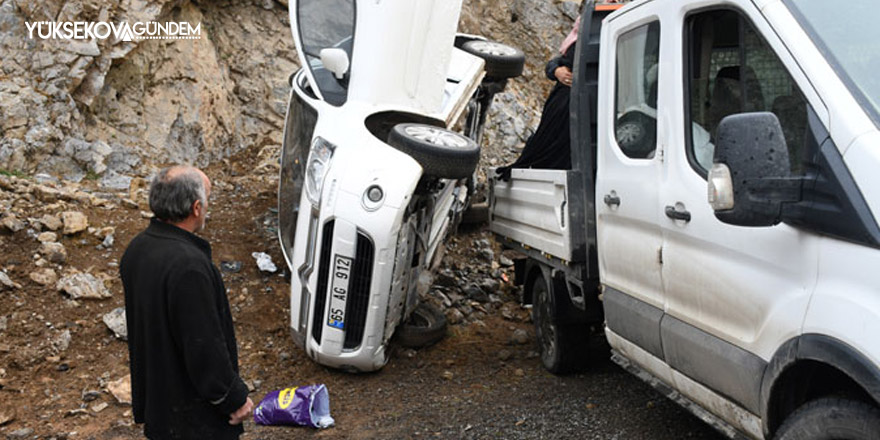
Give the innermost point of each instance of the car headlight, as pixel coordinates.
(316, 170)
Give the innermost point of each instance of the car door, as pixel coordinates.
(629, 163)
(733, 294)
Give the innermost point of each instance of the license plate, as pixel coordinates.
(339, 291)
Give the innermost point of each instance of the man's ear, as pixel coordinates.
(197, 209)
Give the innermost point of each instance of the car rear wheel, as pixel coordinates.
(832, 419)
(561, 350)
(441, 153)
(426, 326)
(502, 61)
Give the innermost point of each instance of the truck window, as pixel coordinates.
(635, 124)
(731, 69)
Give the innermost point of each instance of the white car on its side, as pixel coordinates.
(373, 175)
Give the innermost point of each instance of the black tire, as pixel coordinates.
(426, 326)
(636, 134)
(440, 152)
(502, 61)
(561, 351)
(832, 419)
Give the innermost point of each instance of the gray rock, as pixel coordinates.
(83, 286)
(74, 222)
(475, 293)
(11, 223)
(504, 261)
(454, 316)
(44, 277)
(115, 321)
(520, 337)
(61, 342)
(108, 241)
(47, 237)
(54, 252)
(505, 355)
(3, 323)
(489, 285)
(20, 433)
(6, 283)
(51, 222)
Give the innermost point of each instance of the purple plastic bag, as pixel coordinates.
(306, 406)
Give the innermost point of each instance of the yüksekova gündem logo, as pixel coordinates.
(122, 31)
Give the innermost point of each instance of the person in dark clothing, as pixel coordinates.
(550, 146)
(183, 355)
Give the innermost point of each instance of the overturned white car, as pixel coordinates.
(372, 174)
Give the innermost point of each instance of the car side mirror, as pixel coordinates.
(751, 176)
(335, 60)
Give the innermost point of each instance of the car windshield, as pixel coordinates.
(324, 24)
(848, 34)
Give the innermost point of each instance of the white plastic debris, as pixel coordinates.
(264, 262)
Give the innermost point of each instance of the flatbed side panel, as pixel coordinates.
(532, 209)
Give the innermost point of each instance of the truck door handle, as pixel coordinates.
(612, 200)
(675, 214)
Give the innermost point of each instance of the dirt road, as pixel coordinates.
(483, 380)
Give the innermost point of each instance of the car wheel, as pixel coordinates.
(561, 351)
(440, 152)
(426, 326)
(636, 134)
(502, 61)
(832, 419)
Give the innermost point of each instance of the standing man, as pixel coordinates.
(181, 343)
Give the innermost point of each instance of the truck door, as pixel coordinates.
(627, 183)
(733, 294)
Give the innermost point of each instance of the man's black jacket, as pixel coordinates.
(181, 342)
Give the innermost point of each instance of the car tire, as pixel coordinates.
(441, 153)
(502, 61)
(832, 418)
(426, 326)
(561, 350)
(636, 134)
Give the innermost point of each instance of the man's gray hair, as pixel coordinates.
(172, 197)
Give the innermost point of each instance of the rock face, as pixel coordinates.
(79, 108)
(110, 108)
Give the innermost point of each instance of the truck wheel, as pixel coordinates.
(426, 326)
(832, 418)
(636, 134)
(502, 61)
(560, 351)
(440, 152)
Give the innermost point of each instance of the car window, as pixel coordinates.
(635, 126)
(325, 24)
(731, 69)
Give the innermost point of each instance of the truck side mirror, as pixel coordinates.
(335, 60)
(751, 177)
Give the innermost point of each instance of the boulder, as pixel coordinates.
(44, 277)
(74, 222)
(83, 286)
(47, 237)
(12, 223)
(54, 252)
(51, 222)
(121, 389)
(115, 321)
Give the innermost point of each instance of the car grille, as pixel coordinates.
(358, 290)
(323, 279)
(359, 293)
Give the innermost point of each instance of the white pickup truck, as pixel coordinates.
(372, 175)
(757, 307)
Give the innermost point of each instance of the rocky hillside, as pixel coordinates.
(111, 110)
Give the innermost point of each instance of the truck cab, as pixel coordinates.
(721, 212)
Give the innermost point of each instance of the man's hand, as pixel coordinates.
(563, 74)
(242, 413)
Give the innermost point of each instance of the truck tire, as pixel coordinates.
(441, 153)
(426, 326)
(502, 61)
(832, 418)
(636, 134)
(561, 352)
